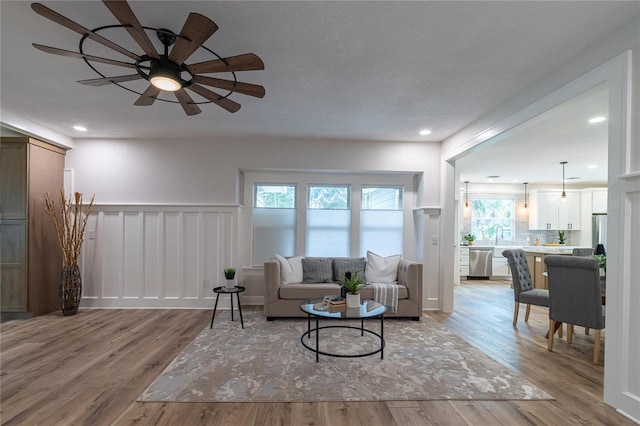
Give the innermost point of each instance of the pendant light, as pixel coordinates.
(466, 193)
(526, 196)
(564, 194)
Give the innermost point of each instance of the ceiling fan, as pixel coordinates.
(166, 70)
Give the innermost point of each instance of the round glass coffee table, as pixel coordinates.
(368, 309)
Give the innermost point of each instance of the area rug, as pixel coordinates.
(266, 362)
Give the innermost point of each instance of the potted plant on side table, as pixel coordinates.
(352, 284)
(230, 276)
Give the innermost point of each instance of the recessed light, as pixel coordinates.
(592, 166)
(598, 119)
(425, 132)
(80, 128)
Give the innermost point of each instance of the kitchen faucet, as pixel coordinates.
(501, 230)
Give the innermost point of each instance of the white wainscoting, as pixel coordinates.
(158, 256)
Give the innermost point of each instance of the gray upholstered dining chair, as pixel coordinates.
(580, 251)
(523, 290)
(575, 296)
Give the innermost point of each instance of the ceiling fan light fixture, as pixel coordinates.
(165, 82)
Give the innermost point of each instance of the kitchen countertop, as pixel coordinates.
(497, 250)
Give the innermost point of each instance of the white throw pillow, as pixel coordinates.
(382, 269)
(290, 269)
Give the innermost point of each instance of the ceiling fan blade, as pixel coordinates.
(197, 28)
(225, 103)
(73, 26)
(109, 80)
(70, 54)
(148, 97)
(187, 103)
(123, 13)
(244, 88)
(246, 62)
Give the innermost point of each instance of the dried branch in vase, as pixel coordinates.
(70, 223)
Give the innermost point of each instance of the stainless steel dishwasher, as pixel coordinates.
(480, 262)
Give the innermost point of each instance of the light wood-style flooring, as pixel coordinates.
(88, 369)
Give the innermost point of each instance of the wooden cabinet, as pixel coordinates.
(537, 268)
(30, 259)
(547, 211)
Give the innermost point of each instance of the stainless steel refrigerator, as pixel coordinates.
(599, 230)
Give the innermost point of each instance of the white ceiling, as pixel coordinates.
(532, 152)
(364, 70)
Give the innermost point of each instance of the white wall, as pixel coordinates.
(168, 214)
(206, 171)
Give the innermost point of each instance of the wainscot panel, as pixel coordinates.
(158, 256)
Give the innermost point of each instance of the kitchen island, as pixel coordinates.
(535, 259)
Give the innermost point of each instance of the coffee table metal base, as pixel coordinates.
(317, 328)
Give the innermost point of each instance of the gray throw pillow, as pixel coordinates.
(316, 270)
(340, 266)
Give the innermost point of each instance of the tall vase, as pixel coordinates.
(70, 290)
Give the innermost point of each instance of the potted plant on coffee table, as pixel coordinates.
(352, 284)
(230, 275)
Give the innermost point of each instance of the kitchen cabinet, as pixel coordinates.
(500, 267)
(30, 258)
(463, 262)
(548, 212)
(569, 212)
(537, 268)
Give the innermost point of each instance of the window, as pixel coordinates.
(381, 219)
(491, 216)
(326, 214)
(274, 222)
(328, 221)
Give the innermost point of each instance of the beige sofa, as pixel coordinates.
(283, 300)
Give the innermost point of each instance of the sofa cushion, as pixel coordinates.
(382, 269)
(317, 270)
(290, 269)
(340, 266)
(306, 291)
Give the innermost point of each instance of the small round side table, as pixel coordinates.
(226, 290)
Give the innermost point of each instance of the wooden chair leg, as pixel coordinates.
(569, 333)
(596, 347)
(552, 325)
(560, 330)
(526, 315)
(515, 313)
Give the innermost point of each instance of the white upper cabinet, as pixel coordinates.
(547, 211)
(569, 212)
